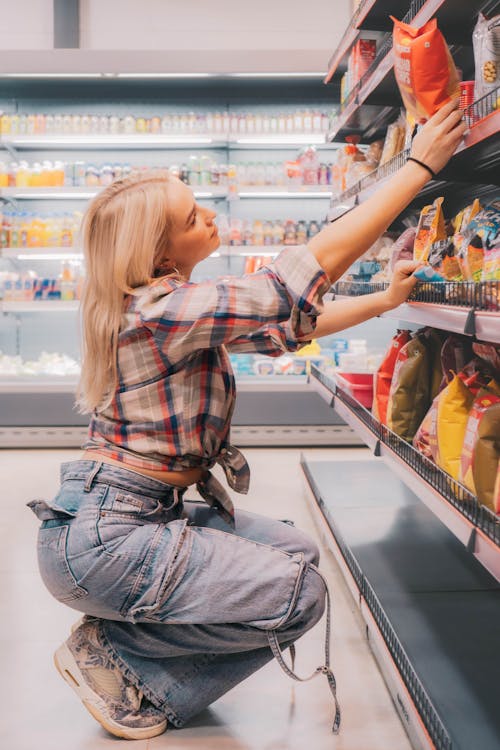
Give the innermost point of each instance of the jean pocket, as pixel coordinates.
(53, 564)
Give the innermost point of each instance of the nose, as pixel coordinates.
(209, 215)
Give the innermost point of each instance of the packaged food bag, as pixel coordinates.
(486, 43)
(453, 406)
(424, 69)
(403, 247)
(431, 228)
(485, 399)
(486, 458)
(435, 437)
(479, 244)
(409, 392)
(383, 376)
(489, 353)
(455, 353)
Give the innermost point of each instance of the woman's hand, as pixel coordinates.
(402, 282)
(436, 143)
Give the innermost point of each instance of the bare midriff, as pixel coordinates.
(178, 478)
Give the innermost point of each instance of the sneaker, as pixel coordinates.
(113, 701)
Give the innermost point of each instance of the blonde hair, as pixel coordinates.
(125, 236)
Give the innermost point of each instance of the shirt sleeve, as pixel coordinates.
(277, 305)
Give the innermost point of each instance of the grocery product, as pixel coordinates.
(485, 399)
(477, 244)
(383, 376)
(455, 353)
(431, 228)
(403, 247)
(394, 140)
(486, 459)
(424, 69)
(453, 407)
(486, 42)
(415, 382)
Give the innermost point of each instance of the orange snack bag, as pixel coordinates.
(383, 376)
(424, 69)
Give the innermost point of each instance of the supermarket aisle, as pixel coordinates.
(39, 711)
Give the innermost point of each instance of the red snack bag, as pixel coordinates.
(383, 376)
(424, 69)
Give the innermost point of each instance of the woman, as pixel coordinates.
(185, 600)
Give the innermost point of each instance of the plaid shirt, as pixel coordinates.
(175, 395)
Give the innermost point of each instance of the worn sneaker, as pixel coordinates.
(113, 701)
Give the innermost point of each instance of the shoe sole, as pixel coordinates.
(67, 667)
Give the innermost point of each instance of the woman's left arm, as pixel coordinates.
(344, 313)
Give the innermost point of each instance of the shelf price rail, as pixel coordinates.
(474, 524)
(483, 119)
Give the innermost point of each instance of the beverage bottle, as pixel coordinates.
(270, 174)
(7, 290)
(312, 229)
(76, 124)
(278, 233)
(140, 125)
(114, 124)
(258, 232)
(14, 124)
(5, 124)
(266, 124)
(85, 124)
(218, 122)
(12, 174)
(205, 170)
(67, 124)
(235, 232)
(23, 124)
(308, 124)
(260, 174)
(247, 234)
(4, 175)
(301, 233)
(58, 124)
(94, 124)
(194, 170)
(290, 123)
(155, 125)
(282, 122)
(233, 123)
(290, 237)
(224, 229)
(24, 229)
(103, 124)
(13, 234)
(298, 122)
(49, 124)
(258, 123)
(184, 174)
(66, 231)
(268, 233)
(225, 123)
(316, 121)
(28, 288)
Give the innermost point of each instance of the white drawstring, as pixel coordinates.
(325, 669)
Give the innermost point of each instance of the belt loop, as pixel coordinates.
(92, 476)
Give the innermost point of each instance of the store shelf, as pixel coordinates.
(453, 504)
(475, 149)
(462, 312)
(163, 141)
(431, 611)
(279, 191)
(377, 89)
(84, 193)
(208, 192)
(370, 14)
(41, 253)
(55, 306)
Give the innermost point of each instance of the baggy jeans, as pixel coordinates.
(187, 606)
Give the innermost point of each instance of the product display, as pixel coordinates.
(24, 229)
(424, 68)
(486, 41)
(306, 120)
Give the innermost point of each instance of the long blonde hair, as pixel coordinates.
(125, 234)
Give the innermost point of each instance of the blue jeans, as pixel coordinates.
(187, 606)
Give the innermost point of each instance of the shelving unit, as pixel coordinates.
(419, 553)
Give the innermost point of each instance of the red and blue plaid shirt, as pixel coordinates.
(175, 395)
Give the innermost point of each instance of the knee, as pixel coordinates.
(310, 603)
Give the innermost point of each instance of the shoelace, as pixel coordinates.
(324, 669)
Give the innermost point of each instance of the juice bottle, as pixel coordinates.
(268, 233)
(235, 232)
(14, 231)
(290, 237)
(4, 175)
(278, 233)
(58, 174)
(24, 229)
(4, 230)
(66, 231)
(5, 124)
(23, 177)
(258, 232)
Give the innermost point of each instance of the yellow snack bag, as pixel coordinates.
(454, 405)
(431, 228)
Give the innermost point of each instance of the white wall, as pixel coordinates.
(179, 35)
(26, 24)
(213, 24)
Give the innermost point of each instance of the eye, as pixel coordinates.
(193, 221)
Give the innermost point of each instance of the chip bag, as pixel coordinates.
(431, 228)
(484, 400)
(486, 43)
(486, 459)
(383, 376)
(409, 393)
(424, 69)
(479, 244)
(454, 405)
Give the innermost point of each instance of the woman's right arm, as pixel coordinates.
(337, 246)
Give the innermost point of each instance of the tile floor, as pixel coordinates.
(267, 712)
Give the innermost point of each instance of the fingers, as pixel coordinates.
(445, 110)
(452, 120)
(407, 267)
